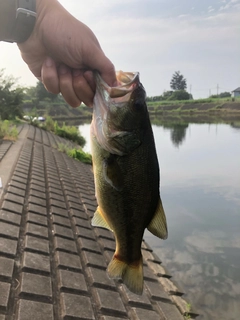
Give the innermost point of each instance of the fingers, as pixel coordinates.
(82, 88)
(97, 60)
(75, 85)
(49, 76)
(66, 86)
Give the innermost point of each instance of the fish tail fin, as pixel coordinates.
(131, 274)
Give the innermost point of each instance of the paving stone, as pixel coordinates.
(108, 244)
(36, 263)
(36, 187)
(53, 191)
(35, 285)
(76, 307)
(59, 211)
(9, 230)
(68, 261)
(168, 311)
(111, 318)
(6, 268)
(158, 269)
(65, 245)
(8, 247)
(36, 230)
(13, 207)
(85, 233)
(104, 233)
(157, 291)
(109, 301)
(75, 206)
(37, 209)
(39, 201)
(89, 245)
(34, 310)
(79, 213)
(38, 194)
(148, 274)
(4, 295)
(62, 221)
(40, 179)
(36, 245)
(73, 281)
(14, 198)
(82, 223)
(136, 300)
(170, 287)
(94, 260)
(58, 203)
(99, 278)
(19, 179)
(20, 186)
(17, 191)
(141, 314)
(10, 217)
(63, 232)
(38, 184)
(183, 306)
(37, 219)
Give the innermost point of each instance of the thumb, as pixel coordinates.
(104, 66)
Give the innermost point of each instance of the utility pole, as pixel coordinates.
(217, 89)
(210, 93)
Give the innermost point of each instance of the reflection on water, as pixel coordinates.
(200, 190)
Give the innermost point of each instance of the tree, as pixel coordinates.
(43, 94)
(11, 98)
(178, 82)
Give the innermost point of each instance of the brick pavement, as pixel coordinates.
(52, 262)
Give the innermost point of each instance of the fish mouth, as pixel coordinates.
(127, 82)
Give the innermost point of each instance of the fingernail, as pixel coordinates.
(48, 62)
(76, 72)
(63, 69)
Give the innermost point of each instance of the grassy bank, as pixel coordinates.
(195, 106)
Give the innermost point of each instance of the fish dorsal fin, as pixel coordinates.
(99, 221)
(158, 224)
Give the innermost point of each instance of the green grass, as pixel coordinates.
(8, 131)
(75, 153)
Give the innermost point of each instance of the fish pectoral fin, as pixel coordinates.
(158, 224)
(125, 141)
(99, 221)
(112, 173)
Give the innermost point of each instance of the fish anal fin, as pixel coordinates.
(99, 221)
(158, 224)
(131, 274)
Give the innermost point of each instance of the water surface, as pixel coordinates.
(200, 190)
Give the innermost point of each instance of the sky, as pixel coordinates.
(199, 38)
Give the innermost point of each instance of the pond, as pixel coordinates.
(200, 190)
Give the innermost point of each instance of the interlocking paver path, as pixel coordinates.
(52, 261)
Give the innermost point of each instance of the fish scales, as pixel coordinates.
(126, 174)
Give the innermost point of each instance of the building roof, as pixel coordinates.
(52, 261)
(236, 90)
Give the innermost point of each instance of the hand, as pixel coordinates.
(62, 52)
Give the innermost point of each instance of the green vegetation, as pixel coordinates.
(187, 315)
(69, 132)
(8, 131)
(75, 153)
(178, 82)
(11, 98)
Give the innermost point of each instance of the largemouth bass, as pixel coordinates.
(126, 174)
